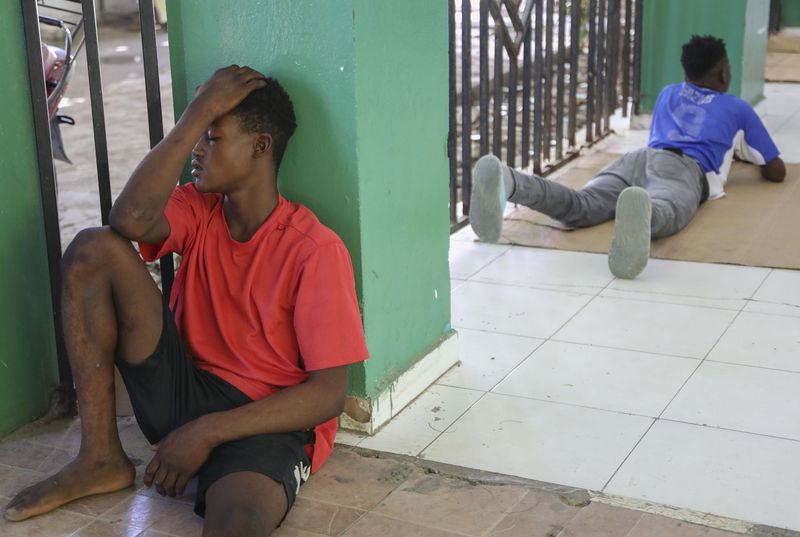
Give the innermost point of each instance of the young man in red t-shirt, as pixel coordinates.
(240, 376)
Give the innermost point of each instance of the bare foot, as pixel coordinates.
(81, 477)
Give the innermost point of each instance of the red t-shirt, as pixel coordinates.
(261, 314)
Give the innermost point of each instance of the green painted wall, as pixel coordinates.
(28, 367)
(369, 83)
(790, 13)
(401, 122)
(741, 23)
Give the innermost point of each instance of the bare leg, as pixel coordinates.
(244, 504)
(111, 307)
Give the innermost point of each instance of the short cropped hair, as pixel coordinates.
(269, 110)
(700, 54)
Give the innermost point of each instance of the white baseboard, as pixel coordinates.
(378, 410)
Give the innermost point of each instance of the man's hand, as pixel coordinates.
(774, 170)
(225, 89)
(179, 456)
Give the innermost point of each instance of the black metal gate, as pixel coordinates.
(79, 19)
(533, 81)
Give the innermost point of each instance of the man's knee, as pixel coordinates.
(242, 521)
(93, 248)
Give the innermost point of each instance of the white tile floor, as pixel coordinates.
(681, 387)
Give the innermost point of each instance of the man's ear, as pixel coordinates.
(263, 145)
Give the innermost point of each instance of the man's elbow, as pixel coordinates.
(127, 224)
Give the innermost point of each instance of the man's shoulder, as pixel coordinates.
(310, 232)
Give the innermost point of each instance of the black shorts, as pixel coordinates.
(167, 390)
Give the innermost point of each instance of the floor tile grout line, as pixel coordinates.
(555, 288)
(556, 340)
(559, 287)
(504, 515)
(731, 430)
(776, 369)
(92, 520)
(625, 459)
(439, 435)
(680, 389)
(495, 258)
(700, 364)
(760, 285)
(542, 339)
(574, 405)
(609, 347)
(418, 524)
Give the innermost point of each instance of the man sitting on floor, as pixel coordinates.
(654, 192)
(239, 379)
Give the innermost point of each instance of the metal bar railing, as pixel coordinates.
(537, 88)
(47, 182)
(550, 76)
(560, 79)
(155, 122)
(452, 134)
(98, 112)
(574, 68)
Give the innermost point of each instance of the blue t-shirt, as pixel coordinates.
(710, 126)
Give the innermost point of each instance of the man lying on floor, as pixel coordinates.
(653, 192)
(239, 379)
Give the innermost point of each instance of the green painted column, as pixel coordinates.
(670, 23)
(790, 13)
(370, 85)
(28, 367)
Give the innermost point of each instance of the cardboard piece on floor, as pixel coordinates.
(782, 67)
(784, 43)
(757, 224)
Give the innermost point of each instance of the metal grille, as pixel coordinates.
(79, 16)
(533, 81)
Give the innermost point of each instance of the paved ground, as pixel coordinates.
(358, 493)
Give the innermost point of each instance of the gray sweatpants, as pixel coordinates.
(674, 182)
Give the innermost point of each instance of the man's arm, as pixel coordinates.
(296, 408)
(774, 170)
(138, 212)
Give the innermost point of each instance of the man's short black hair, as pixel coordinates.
(269, 110)
(700, 54)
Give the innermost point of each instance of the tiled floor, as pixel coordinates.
(681, 387)
(356, 494)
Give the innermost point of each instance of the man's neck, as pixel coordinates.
(247, 209)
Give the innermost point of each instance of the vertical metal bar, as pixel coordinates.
(562, 24)
(98, 115)
(526, 96)
(637, 56)
(591, 72)
(613, 55)
(511, 142)
(600, 64)
(497, 94)
(47, 180)
(537, 90)
(548, 82)
(466, 102)
(147, 19)
(626, 57)
(484, 76)
(451, 134)
(574, 70)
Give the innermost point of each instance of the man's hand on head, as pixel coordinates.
(179, 456)
(226, 88)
